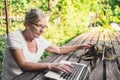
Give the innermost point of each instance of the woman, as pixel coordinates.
(24, 48)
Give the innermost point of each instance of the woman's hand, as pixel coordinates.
(86, 46)
(60, 67)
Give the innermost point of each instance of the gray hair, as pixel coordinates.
(34, 15)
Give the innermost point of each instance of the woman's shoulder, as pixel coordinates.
(15, 34)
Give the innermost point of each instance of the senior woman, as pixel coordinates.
(25, 47)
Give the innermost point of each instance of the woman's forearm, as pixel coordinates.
(32, 66)
(67, 49)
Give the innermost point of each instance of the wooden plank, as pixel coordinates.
(95, 38)
(81, 38)
(110, 65)
(101, 38)
(116, 34)
(97, 72)
(117, 51)
(115, 45)
(112, 72)
(107, 71)
(40, 77)
(113, 38)
(107, 40)
(26, 76)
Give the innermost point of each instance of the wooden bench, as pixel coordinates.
(106, 70)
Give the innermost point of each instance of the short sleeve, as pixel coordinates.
(44, 42)
(13, 41)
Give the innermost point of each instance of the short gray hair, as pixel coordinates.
(34, 15)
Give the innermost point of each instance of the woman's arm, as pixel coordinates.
(18, 56)
(66, 49)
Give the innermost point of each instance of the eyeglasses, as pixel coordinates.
(39, 25)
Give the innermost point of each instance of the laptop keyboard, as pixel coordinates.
(77, 73)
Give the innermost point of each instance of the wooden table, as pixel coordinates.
(108, 70)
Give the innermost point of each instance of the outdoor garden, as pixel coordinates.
(66, 18)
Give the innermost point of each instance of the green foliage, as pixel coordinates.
(46, 54)
(2, 46)
(59, 34)
(109, 12)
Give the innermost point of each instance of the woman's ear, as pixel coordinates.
(27, 27)
(26, 24)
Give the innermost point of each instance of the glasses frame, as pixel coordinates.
(39, 25)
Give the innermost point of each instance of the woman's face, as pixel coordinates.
(38, 28)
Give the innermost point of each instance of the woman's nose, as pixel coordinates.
(42, 30)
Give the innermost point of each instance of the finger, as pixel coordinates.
(68, 67)
(71, 66)
(87, 46)
(90, 44)
(66, 70)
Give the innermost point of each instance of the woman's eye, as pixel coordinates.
(39, 25)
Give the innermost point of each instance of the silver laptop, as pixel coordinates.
(79, 72)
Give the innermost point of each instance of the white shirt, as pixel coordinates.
(16, 40)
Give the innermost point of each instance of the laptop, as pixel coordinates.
(79, 72)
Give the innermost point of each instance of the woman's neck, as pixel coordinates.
(28, 35)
